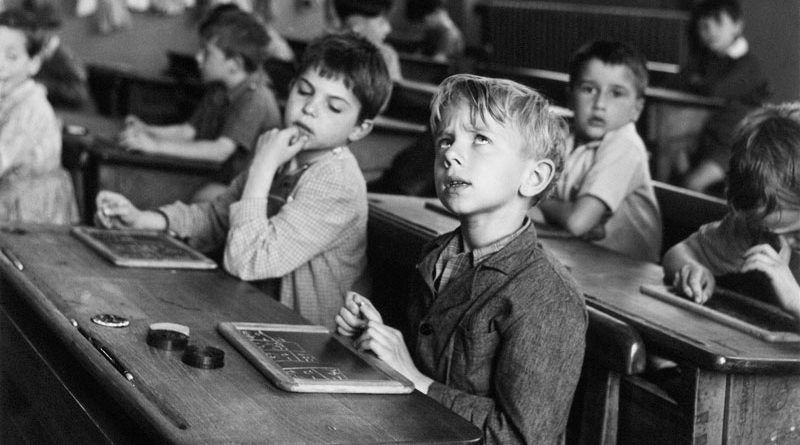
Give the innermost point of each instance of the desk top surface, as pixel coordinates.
(611, 283)
(62, 279)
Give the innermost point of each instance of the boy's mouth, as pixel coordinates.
(455, 183)
(597, 121)
(305, 129)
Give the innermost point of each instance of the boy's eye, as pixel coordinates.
(443, 142)
(587, 89)
(335, 107)
(619, 93)
(481, 139)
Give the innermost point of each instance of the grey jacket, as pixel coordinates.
(503, 341)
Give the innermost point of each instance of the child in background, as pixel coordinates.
(369, 18)
(33, 186)
(235, 110)
(442, 40)
(761, 232)
(722, 66)
(498, 322)
(299, 213)
(62, 74)
(605, 194)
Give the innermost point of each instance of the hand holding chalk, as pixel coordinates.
(356, 314)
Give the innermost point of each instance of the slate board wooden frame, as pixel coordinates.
(385, 380)
(188, 258)
(665, 293)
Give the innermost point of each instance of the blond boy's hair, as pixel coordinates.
(512, 105)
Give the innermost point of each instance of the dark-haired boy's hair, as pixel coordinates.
(366, 8)
(237, 34)
(715, 9)
(765, 161)
(610, 53)
(418, 9)
(26, 23)
(360, 65)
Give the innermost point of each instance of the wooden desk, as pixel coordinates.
(57, 388)
(735, 388)
(147, 180)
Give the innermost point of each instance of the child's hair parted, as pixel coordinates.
(512, 105)
(237, 34)
(715, 9)
(765, 161)
(28, 25)
(366, 8)
(610, 53)
(360, 65)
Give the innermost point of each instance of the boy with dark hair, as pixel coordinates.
(498, 323)
(721, 65)
(298, 215)
(236, 109)
(605, 194)
(369, 18)
(761, 232)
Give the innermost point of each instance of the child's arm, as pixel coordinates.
(775, 265)
(174, 140)
(578, 217)
(115, 211)
(689, 275)
(358, 317)
(178, 132)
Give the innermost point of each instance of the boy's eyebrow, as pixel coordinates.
(304, 79)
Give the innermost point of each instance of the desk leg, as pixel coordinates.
(707, 414)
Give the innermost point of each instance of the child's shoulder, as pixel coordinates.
(623, 139)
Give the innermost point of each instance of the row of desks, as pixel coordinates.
(735, 388)
(71, 392)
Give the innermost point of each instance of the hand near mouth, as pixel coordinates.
(279, 146)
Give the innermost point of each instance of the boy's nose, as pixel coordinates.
(600, 100)
(452, 157)
(310, 108)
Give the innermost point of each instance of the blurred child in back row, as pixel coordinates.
(369, 18)
(235, 110)
(498, 323)
(296, 219)
(722, 66)
(33, 186)
(761, 232)
(605, 194)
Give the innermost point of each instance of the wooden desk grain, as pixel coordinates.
(64, 280)
(735, 388)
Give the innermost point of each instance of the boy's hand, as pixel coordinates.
(115, 211)
(137, 140)
(134, 123)
(353, 316)
(775, 265)
(277, 147)
(695, 281)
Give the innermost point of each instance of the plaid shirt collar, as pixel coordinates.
(455, 260)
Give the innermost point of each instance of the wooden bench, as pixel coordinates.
(683, 211)
(614, 351)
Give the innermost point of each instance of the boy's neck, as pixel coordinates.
(482, 232)
(309, 156)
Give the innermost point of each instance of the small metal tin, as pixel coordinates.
(110, 320)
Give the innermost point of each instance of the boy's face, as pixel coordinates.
(325, 111)
(214, 65)
(375, 29)
(785, 224)
(15, 64)
(481, 167)
(718, 33)
(603, 99)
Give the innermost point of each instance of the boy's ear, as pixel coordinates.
(34, 65)
(638, 106)
(360, 130)
(538, 176)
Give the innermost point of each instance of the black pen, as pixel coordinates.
(105, 352)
